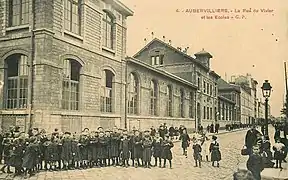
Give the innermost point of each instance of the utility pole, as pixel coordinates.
(286, 85)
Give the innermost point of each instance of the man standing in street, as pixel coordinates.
(251, 138)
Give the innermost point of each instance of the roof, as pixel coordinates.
(203, 53)
(226, 99)
(223, 85)
(178, 51)
(160, 71)
(123, 8)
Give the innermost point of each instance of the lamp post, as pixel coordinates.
(266, 90)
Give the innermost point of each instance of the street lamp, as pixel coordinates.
(266, 90)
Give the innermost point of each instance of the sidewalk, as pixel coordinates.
(271, 173)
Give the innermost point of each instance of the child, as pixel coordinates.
(7, 143)
(157, 148)
(124, 147)
(166, 152)
(255, 163)
(279, 153)
(197, 153)
(185, 141)
(147, 149)
(76, 158)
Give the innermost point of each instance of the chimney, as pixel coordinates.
(145, 41)
(170, 42)
(164, 38)
(152, 34)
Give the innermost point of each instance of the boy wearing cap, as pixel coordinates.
(166, 152)
(115, 142)
(124, 148)
(147, 149)
(103, 149)
(137, 148)
(157, 148)
(66, 153)
(197, 152)
(84, 141)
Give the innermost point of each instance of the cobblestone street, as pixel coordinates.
(183, 168)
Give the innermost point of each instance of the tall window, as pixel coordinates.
(153, 98)
(72, 15)
(107, 31)
(18, 12)
(211, 113)
(223, 111)
(198, 83)
(208, 88)
(70, 91)
(181, 109)
(191, 105)
(204, 86)
(208, 113)
(133, 94)
(169, 100)
(17, 81)
(204, 112)
(106, 91)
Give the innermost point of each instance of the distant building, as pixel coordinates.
(231, 92)
(164, 57)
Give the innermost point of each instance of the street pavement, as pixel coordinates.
(183, 168)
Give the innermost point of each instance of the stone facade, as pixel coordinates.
(46, 43)
(197, 70)
(232, 93)
(226, 111)
(143, 118)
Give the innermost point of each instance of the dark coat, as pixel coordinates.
(124, 148)
(76, 155)
(137, 147)
(51, 153)
(16, 156)
(147, 148)
(162, 133)
(185, 140)
(197, 151)
(103, 143)
(115, 143)
(157, 147)
(7, 147)
(215, 151)
(166, 149)
(30, 156)
(84, 141)
(255, 164)
(92, 149)
(66, 152)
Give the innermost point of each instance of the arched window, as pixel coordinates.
(133, 94)
(181, 109)
(169, 100)
(191, 105)
(72, 15)
(106, 91)
(107, 30)
(153, 98)
(70, 91)
(17, 81)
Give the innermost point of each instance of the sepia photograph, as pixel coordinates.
(143, 90)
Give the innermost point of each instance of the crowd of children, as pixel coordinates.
(38, 150)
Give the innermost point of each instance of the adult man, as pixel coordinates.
(251, 138)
